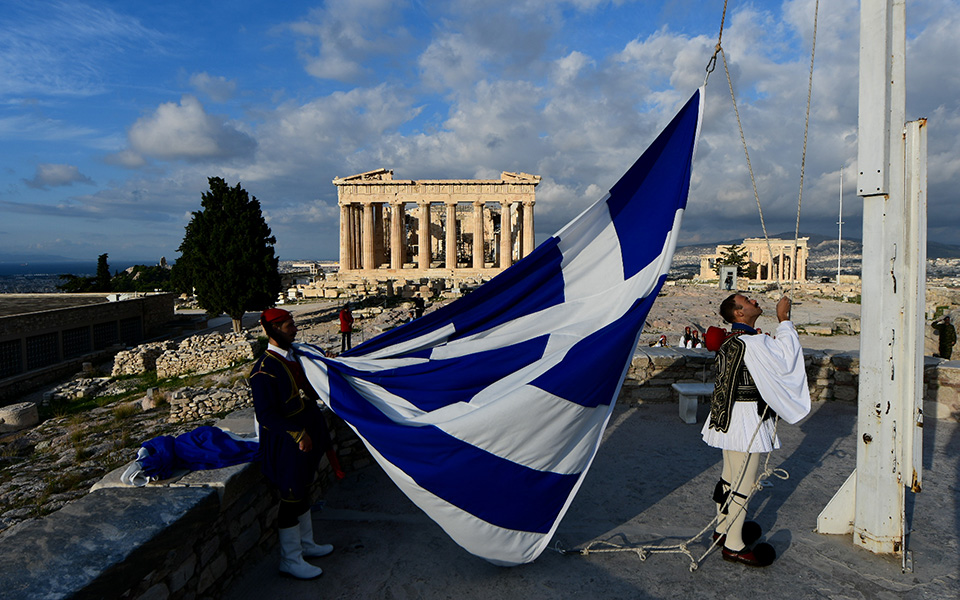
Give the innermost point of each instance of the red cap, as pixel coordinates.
(275, 315)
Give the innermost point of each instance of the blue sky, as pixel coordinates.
(113, 114)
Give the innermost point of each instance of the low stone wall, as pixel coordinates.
(188, 538)
(194, 404)
(195, 355)
(141, 359)
(830, 375)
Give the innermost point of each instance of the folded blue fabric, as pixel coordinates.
(201, 449)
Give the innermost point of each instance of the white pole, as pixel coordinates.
(871, 503)
(840, 227)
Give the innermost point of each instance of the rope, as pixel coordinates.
(645, 550)
(712, 63)
(806, 126)
(743, 140)
(746, 151)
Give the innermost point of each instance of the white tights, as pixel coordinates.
(731, 523)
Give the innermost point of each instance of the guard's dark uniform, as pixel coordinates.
(286, 407)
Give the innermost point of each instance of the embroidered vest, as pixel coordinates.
(733, 384)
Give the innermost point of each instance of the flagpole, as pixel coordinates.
(840, 227)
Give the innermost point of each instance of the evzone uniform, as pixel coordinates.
(287, 411)
(758, 378)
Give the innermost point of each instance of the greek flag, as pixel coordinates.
(488, 412)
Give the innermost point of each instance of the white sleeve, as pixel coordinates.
(776, 365)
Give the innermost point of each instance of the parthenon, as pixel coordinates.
(783, 265)
(462, 226)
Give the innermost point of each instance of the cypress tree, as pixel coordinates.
(227, 257)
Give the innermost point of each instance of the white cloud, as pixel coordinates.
(50, 175)
(219, 89)
(186, 131)
(336, 39)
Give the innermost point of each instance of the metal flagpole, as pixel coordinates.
(892, 181)
(840, 227)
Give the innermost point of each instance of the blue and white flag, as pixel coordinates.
(488, 412)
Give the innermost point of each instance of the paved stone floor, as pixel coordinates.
(650, 484)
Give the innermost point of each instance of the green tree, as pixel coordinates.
(73, 284)
(733, 255)
(102, 279)
(227, 258)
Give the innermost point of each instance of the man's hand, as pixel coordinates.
(306, 444)
(783, 309)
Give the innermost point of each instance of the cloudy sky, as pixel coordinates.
(113, 114)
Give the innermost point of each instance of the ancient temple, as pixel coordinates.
(778, 261)
(434, 227)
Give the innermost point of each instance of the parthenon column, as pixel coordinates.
(346, 243)
(379, 236)
(423, 240)
(451, 231)
(397, 243)
(780, 272)
(367, 236)
(356, 236)
(529, 243)
(506, 236)
(478, 234)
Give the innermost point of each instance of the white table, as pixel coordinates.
(689, 394)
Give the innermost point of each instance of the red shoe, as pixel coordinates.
(762, 555)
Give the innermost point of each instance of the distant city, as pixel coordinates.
(943, 262)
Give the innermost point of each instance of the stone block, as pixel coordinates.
(948, 375)
(844, 377)
(845, 393)
(15, 417)
(247, 539)
(156, 592)
(212, 573)
(182, 573)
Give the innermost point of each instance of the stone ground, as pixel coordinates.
(650, 484)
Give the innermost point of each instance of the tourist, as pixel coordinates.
(756, 375)
(418, 306)
(948, 336)
(346, 328)
(293, 438)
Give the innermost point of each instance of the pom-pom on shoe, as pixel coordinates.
(762, 555)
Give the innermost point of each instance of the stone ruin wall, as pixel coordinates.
(831, 376)
(194, 355)
(349, 286)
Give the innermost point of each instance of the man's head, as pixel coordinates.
(737, 308)
(946, 319)
(279, 327)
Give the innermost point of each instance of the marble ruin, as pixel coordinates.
(783, 265)
(434, 227)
